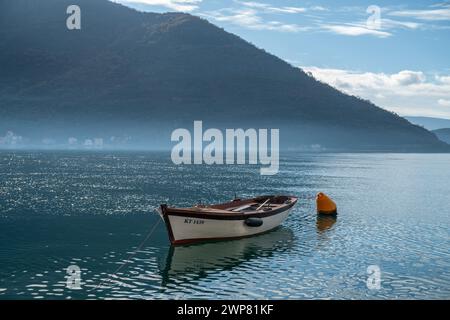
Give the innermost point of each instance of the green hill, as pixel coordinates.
(140, 75)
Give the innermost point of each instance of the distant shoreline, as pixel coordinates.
(168, 150)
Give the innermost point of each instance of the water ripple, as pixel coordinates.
(93, 210)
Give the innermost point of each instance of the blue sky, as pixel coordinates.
(394, 53)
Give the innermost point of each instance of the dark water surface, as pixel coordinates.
(93, 209)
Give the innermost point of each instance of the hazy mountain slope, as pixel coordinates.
(443, 134)
(430, 123)
(143, 74)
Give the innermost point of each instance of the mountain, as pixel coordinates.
(443, 134)
(133, 77)
(430, 123)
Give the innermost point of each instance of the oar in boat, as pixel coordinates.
(263, 204)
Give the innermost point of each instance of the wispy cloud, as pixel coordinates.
(251, 19)
(343, 21)
(318, 8)
(439, 12)
(270, 8)
(355, 30)
(177, 5)
(287, 9)
(321, 20)
(361, 28)
(391, 20)
(393, 24)
(367, 24)
(257, 16)
(406, 92)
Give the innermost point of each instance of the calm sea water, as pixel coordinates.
(94, 209)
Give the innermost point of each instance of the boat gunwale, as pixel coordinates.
(217, 214)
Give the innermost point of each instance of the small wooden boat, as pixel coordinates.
(235, 219)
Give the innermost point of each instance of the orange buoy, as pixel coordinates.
(325, 205)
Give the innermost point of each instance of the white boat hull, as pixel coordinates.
(190, 229)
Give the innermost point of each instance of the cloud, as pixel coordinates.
(98, 142)
(354, 30)
(406, 77)
(252, 4)
(393, 24)
(259, 16)
(441, 14)
(10, 139)
(444, 102)
(278, 9)
(443, 79)
(177, 5)
(269, 8)
(93, 143)
(406, 92)
(385, 26)
(287, 9)
(383, 29)
(48, 141)
(318, 8)
(250, 18)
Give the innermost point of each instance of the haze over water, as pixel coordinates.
(93, 209)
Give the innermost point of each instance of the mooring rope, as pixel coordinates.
(132, 253)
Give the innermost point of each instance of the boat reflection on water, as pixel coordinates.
(224, 255)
